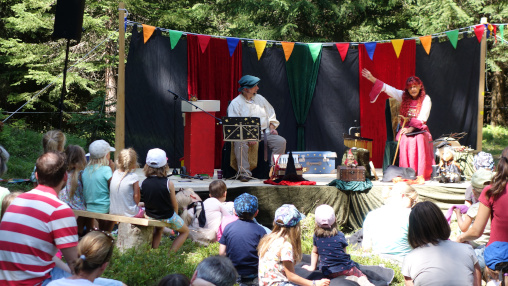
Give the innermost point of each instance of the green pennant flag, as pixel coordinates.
(454, 37)
(174, 37)
(501, 32)
(315, 49)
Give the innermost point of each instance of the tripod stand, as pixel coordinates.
(241, 129)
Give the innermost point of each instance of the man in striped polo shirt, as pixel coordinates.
(36, 225)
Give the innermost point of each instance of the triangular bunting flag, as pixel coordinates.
(370, 47)
(203, 41)
(342, 48)
(426, 43)
(260, 47)
(174, 37)
(487, 28)
(501, 31)
(147, 32)
(478, 30)
(397, 46)
(232, 44)
(454, 37)
(315, 49)
(288, 49)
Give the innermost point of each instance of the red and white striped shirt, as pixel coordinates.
(33, 228)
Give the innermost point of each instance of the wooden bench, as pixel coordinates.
(132, 231)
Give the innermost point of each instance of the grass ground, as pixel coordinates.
(145, 266)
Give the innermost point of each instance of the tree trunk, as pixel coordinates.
(498, 103)
(131, 235)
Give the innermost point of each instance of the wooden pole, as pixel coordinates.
(120, 91)
(481, 92)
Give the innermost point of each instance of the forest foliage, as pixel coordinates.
(30, 59)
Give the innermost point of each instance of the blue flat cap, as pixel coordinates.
(248, 81)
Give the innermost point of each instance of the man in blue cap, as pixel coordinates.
(251, 104)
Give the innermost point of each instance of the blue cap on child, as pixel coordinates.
(287, 215)
(246, 204)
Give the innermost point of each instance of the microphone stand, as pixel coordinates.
(177, 96)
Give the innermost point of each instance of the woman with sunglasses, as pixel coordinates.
(94, 253)
(416, 150)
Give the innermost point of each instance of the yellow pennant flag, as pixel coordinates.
(397, 46)
(260, 47)
(147, 32)
(426, 42)
(288, 49)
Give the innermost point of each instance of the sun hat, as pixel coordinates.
(248, 81)
(480, 177)
(246, 204)
(156, 158)
(325, 216)
(99, 149)
(289, 216)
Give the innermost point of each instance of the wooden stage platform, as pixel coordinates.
(351, 207)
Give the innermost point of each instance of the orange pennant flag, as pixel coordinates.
(426, 42)
(260, 47)
(147, 32)
(288, 49)
(397, 46)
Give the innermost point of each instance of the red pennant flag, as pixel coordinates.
(478, 30)
(147, 32)
(342, 48)
(203, 41)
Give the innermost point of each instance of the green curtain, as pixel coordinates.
(302, 73)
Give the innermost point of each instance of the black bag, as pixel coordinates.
(394, 171)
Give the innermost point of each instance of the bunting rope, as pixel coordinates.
(60, 75)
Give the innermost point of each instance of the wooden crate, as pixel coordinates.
(351, 174)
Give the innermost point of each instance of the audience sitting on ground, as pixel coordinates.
(385, 228)
(72, 193)
(435, 260)
(493, 205)
(479, 180)
(174, 280)
(96, 179)
(214, 270)
(158, 195)
(53, 140)
(241, 238)
(330, 249)
(280, 250)
(6, 201)
(124, 189)
(94, 253)
(43, 232)
(191, 207)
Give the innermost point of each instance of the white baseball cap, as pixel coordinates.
(156, 158)
(325, 216)
(99, 149)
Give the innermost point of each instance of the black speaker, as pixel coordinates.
(69, 19)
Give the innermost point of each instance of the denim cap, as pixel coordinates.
(325, 216)
(289, 216)
(246, 204)
(248, 81)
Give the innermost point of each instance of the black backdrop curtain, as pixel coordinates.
(151, 70)
(451, 78)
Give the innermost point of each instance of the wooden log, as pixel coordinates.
(131, 235)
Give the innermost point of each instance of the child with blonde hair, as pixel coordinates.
(124, 188)
(96, 179)
(53, 140)
(280, 250)
(330, 249)
(159, 196)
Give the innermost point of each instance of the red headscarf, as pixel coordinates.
(407, 98)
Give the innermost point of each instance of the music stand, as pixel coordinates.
(236, 129)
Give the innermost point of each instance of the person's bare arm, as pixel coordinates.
(71, 255)
(137, 193)
(222, 249)
(477, 274)
(289, 270)
(463, 221)
(408, 281)
(368, 75)
(62, 265)
(313, 260)
(478, 227)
